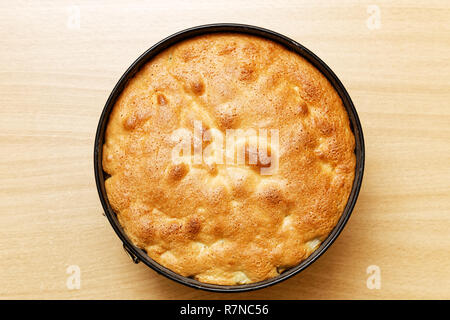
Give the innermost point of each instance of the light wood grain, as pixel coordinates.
(54, 81)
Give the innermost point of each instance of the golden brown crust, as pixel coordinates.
(228, 224)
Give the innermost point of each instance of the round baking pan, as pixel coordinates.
(138, 254)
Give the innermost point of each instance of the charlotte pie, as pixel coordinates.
(227, 223)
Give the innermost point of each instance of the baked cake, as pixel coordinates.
(225, 222)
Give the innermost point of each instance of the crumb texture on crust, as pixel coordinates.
(219, 223)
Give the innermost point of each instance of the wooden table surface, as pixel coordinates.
(59, 62)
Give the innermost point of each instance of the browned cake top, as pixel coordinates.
(228, 222)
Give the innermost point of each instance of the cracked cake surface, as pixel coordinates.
(227, 223)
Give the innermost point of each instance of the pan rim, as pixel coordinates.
(288, 43)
